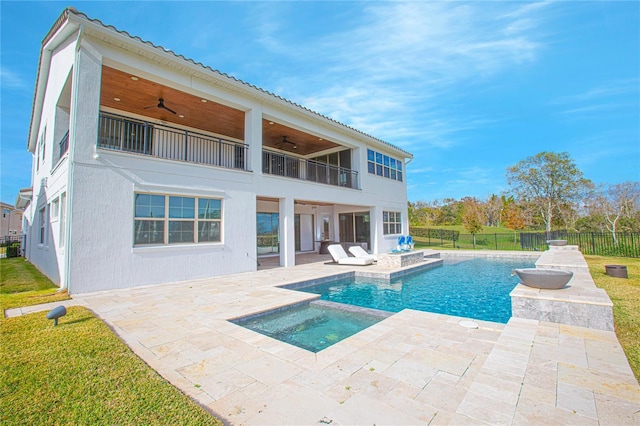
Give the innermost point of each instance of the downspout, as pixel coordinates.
(72, 145)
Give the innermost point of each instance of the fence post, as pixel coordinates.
(496, 237)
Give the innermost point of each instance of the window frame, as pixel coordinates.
(54, 209)
(42, 217)
(391, 221)
(62, 217)
(383, 165)
(173, 215)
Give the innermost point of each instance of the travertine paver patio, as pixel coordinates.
(411, 368)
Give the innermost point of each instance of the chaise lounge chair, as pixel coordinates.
(342, 258)
(358, 251)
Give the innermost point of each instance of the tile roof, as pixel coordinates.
(68, 10)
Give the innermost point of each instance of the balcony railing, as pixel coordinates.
(276, 163)
(120, 133)
(63, 145)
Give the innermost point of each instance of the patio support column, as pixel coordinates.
(253, 138)
(287, 232)
(376, 228)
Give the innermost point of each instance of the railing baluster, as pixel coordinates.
(121, 133)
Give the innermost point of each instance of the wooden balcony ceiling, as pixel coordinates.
(300, 143)
(141, 97)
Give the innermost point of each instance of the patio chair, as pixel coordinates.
(342, 258)
(409, 242)
(401, 242)
(358, 251)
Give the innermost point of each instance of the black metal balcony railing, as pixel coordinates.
(63, 145)
(120, 133)
(276, 163)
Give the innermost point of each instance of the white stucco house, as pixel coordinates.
(151, 168)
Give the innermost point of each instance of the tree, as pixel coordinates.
(617, 201)
(472, 217)
(493, 209)
(548, 181)
(513, 216)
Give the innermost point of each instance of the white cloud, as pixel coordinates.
(12, 80)
(388, 72)
(614, 88)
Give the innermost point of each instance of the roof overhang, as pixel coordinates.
(72, 21)
(24, 198)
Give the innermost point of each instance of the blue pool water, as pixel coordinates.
(313, 326)
(474, 288)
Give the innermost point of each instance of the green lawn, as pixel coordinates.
(625, 295)
(80, 373)
(21, 284)
(489, 238)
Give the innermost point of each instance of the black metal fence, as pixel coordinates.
(625, 244)
(10, 246)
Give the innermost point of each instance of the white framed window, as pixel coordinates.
(63, 219)
(53, 208)
(42, 219)
(41, 148)
(171, 219)
(391, 223)
(382, 165)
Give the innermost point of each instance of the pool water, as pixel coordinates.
(470, 287)
(312, 326)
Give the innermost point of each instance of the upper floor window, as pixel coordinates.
(383, 165)
(55, 204)
(168, 219)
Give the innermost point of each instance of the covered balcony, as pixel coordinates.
(143, 117)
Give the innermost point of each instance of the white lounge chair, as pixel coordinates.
(342, 258)
(358, 251)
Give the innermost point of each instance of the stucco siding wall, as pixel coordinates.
(104, 255)
(49, 179)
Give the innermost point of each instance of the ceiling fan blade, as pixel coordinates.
(169, 109)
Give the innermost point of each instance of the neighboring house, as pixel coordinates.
(151, 168)
(10, 222)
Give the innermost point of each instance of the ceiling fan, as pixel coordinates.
(287, 141)
(161, 105)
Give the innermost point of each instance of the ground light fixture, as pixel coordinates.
(56, 313)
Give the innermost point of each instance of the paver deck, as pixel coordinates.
(411, 368)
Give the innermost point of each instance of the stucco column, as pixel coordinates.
(375, 216)
(253, 137)
(287, 232)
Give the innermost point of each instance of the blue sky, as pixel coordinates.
(469, 88)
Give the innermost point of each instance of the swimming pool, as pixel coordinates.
(312, 326)
(468, 287)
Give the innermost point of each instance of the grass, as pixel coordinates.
(21, 284)
(78, 372)
(81, 373)
(488, 238)
(625, 295)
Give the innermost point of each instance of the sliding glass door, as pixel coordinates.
(355, 228)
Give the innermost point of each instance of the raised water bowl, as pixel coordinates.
(557, 243)
(549, 279)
